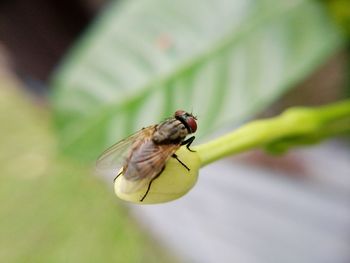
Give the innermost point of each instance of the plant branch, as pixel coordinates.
(296, 126)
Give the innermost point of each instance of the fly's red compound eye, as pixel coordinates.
(188, 119)
(192, 123)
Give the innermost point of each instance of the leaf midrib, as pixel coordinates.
(156, 83)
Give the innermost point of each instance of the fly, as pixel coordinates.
(141, 157)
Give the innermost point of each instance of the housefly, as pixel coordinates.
(141, 157)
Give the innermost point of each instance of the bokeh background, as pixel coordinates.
(77, 76)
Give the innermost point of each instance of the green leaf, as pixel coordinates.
(224, 60)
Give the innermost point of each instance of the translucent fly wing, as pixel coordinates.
(112, 159)
(109, 163)
(146, 163)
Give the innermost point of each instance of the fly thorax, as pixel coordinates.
(170, 131)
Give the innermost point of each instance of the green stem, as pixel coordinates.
(299, 125)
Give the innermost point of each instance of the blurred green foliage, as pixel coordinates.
(341, 12)
(53, 210)
(224, 60)
(141, 60)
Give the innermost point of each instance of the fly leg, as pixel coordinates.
(188, 143)
(150, 183)
(177, 158)
(121, 171)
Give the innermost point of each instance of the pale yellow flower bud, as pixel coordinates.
(174, 182)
